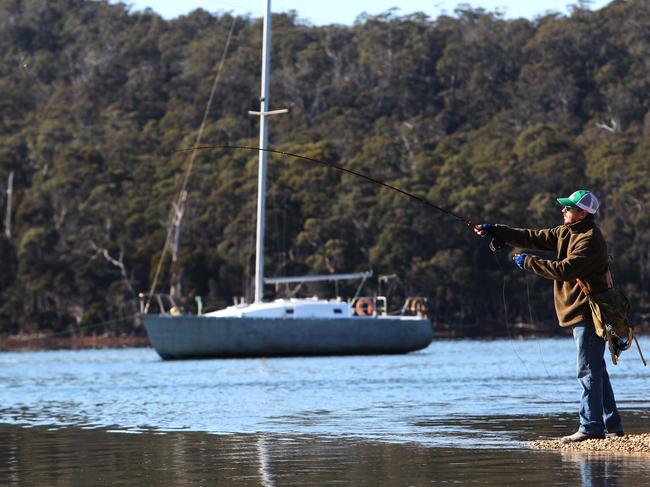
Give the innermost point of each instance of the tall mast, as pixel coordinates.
(264, 138)
(261, 175)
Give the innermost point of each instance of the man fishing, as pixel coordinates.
(581, 253)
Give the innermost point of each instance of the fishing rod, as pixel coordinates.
(420, 199)
(495, 244)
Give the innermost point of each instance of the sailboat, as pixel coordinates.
(287, 327)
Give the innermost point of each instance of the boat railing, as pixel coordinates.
(416, 306)
(165, 302)
(378, 306)
(300, 280)
(381, 305)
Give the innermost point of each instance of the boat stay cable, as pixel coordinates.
(178, 206)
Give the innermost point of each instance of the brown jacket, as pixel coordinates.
(581, 252)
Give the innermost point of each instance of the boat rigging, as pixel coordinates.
(287, 327)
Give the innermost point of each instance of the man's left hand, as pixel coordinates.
(520, 259)
(483, 229)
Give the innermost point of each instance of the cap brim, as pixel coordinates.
(567, 202)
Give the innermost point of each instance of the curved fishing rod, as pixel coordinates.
(495, 244)
(420, 199)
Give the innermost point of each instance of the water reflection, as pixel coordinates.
(608, 470)
(124, 417)
(596, 470)
(71, 457)
(265, 473)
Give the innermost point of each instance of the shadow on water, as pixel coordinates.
(74, 457)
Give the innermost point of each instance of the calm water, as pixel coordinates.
(459, 412)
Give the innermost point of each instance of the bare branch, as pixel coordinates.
(613, 128)
(119, 263)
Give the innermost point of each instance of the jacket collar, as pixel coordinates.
(581, 226)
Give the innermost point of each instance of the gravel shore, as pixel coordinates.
(625, 444)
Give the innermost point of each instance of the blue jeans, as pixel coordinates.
(598, 413)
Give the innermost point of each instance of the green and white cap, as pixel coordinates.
(581, 199)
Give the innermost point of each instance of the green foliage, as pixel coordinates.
(489, 118)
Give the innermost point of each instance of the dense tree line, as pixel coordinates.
(487, 117)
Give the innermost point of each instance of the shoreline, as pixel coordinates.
(44, 342)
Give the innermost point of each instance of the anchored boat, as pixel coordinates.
(291, 327)
(286, 327)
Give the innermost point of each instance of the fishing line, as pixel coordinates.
(420, 199)
(510, 334)
(505, 313)
(532, 322)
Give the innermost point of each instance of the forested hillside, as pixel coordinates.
(487, 117)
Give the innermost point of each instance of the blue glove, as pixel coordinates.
(520, 259)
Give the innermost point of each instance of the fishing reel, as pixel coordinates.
(496, 243)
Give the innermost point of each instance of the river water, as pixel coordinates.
(461, 411)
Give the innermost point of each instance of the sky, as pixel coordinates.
(320, 12)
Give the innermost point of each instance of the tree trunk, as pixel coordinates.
(176, 287)
(10, 190)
